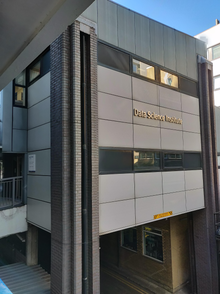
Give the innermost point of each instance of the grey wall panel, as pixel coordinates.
(126, 37)
(91, 12)
(144, 91)
(39, 187)
(39, 138)
(180, 52)
(39, 90)
(201, 48)
(7, 119)
(169, 48)
(142, 36)
(191, 58)
(42, 162)
(108, 22)
(156, 43)
(39, 213)
(39, 114)
(19, 140)
(19, 118)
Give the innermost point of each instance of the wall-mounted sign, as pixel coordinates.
(32, 162)
(153, 115)
(160, 215)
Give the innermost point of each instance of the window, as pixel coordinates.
(115, 161)
(146, 160)
(143, 69)
(168, 79)
(20, 90)
(189, 87)
(113, 57)
(216, 52)
(39, 67)
(192, 161)
(173, 160)
(152, 242)
(129, 239)
(216, 82)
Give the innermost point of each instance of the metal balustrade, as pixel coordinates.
(11, 192)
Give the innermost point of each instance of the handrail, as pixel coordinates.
(11, 192)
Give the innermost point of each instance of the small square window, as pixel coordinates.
(143, 69)
(152, 243)
(146, 160)
(173, 160)
(129, 239)
(168, 79)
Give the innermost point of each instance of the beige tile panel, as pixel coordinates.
(171, 113)
(190, 104)
(116, 187)
(191, 141)
(173, 181)
(145, 107)
(147, 207)
(148, 184)
(146, 137)
(169, 98)
(114, 108)
(171, 139)
(145, 91)
(115, 134)
(191, 123)
(193, 179)
(175, 202)
(194, 199)
(116, 216)
(114, 82)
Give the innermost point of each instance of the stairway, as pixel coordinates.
(23, 279)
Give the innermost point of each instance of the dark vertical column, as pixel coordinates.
(203, 220)
(60, 166)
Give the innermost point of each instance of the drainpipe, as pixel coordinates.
(84, 169)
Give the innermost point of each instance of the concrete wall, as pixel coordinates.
(39, 190)
(146, 38)
(134, 199)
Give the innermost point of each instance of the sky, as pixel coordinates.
(188, 16)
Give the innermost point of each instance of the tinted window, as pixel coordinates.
(188, 87)
(115, 161)
(146, 160)
(173, 160)
(168, 79)
(192, 160)
(143, 69)
(129, 239)
(113, 58)
(39, 67)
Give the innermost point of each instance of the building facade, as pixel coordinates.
(111, 129)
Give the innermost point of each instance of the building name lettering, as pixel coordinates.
(153, 115)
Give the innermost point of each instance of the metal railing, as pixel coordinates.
(11, 192)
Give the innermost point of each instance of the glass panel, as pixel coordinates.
(146, 160)
(218, 160)
(129, 239)
(216, 82)
(19, 96)
(173, 160)
(168, 79)
(20, 80)
(34, 71)
(192, 160)
(153, 245)
(115, 161)
(216, 52)
(143, 69)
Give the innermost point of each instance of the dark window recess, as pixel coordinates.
(113, 58)
(188, 86)
(146, 160)
(173, 160)
(129, 239)
(192, 160)
(39, 67)
(19, 87)
(115, 161)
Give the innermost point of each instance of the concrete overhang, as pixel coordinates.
(27, 27)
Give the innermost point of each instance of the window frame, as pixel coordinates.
(121, 243)
(167, 85)
(142, 76)
(144, 244)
